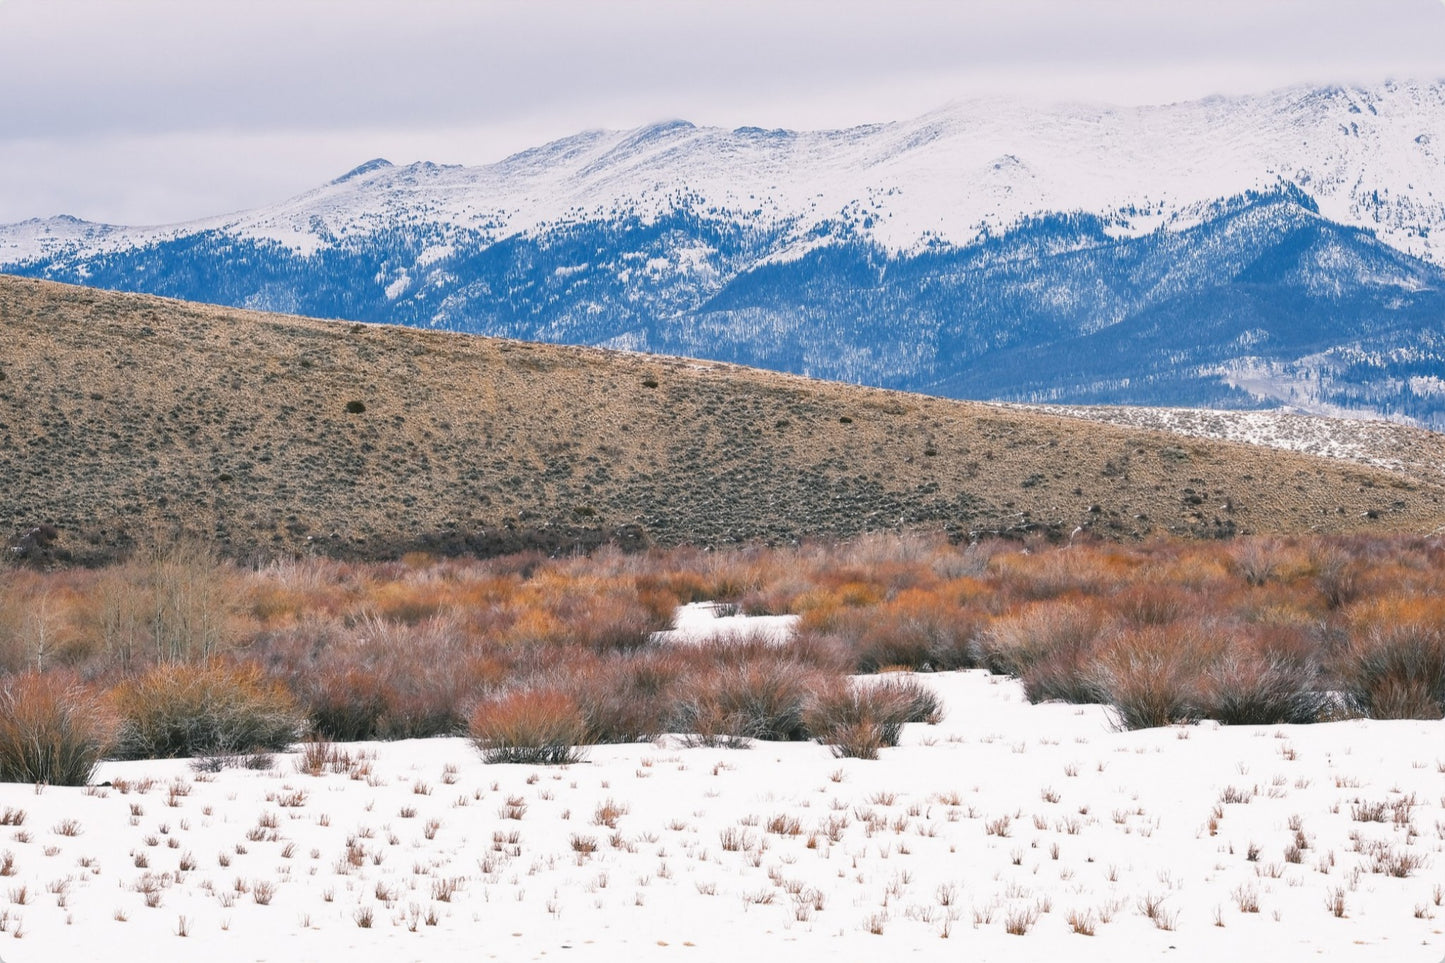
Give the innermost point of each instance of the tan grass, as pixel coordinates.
(470, 444)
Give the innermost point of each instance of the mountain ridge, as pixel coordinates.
(947, 253)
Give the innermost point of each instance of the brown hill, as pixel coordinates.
(126, 417)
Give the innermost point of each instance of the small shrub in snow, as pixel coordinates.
(1394, 664)
(204, 710)
(857, 719)
(1249, 689)
(536, 726)
(761, 699)
(1152, 675)
(52, 730)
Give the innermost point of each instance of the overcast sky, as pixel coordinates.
(150, 111)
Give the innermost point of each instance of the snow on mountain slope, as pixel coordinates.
(1371, 157)
(1374, 442)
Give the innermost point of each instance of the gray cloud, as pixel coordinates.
(152, 110)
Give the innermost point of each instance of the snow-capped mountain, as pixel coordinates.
(1286, 247)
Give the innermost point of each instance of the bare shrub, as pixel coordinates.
(537, 726)
(759, 699)
(214, 709)
(381, 679)
(1063, 676)
(1393, 666)
(1152, 675)
(854, 720)
(347, 704)
(1048, 646)
(1337, 577)
(425, 675)
(625, 696)
(1246, 688)
(916, 700)
(917, 629)
(1256, 560)
(52, 730)
(1150, 604)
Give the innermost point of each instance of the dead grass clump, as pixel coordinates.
(52, 730)
(533, 726)
(203, 710)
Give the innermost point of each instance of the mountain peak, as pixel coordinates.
(375, 164)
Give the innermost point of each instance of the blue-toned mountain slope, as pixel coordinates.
(1055, 308)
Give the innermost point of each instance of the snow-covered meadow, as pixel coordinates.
(1007, 831)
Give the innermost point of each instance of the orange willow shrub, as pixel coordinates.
(534, 726)
(917, 629)
(53, 729)
(856, 719)
(207, 709)
(407, 648)
(1393, 666)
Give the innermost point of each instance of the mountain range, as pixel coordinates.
(1282, 249)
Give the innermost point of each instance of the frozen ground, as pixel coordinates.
(1003, 813)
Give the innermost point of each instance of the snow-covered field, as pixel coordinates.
(1241, 843)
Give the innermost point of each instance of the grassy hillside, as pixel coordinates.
(125, 418)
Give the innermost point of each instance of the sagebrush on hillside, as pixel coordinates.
(270, 436)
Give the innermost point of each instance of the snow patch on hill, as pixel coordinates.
(1376, 442)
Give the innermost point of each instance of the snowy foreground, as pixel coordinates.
(1004, 814)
